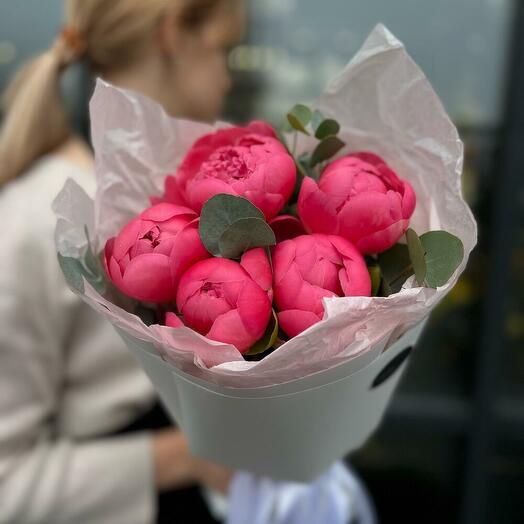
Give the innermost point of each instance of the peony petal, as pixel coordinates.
(185, 290)
(164, 211)
(260, 127)
(126, 238)
(232, 291)
(173, 320)
(366, 213)
(370, 158)
(148, 277)
(230, 329)
(115, 273)
(200, 191)
(346, 248)
(295, 293)
(202, 309)
(173, 192)
(254, 308)
(190, 166)
(256, 263)
(383, 239)
(354, 277)
(216, 269)
(187, 249)
(276, 171)
(141, 247)
(269, 203)
(315, 209)
(294, 321)
(409, 200)
(283, 257)
(108, 253)
(354, 281)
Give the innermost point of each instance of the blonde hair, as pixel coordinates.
(107, 34)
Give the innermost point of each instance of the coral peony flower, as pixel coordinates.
(248, 162)
(310, 267)
(360, 198)
(226, 300)
(146, 259)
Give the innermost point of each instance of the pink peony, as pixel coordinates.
(360, 198)
(146, 259)
(248, 162)
(310, 267)
(226, 300)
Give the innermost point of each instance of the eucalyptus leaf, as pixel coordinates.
(299, 117)
(268, 338)
(316, 119)
(92, 262)
(73, 271)
(416, 255)
(327, 128)
(444, 253)
(244, 234)
(395, 266)
(218, 213)
(329, 147)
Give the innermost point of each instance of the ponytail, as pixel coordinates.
(36, 120)
(108, 34)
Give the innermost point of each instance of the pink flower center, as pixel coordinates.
(153, 235)
(212, 289)
(225, 163)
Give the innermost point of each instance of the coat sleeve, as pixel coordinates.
(44, 477)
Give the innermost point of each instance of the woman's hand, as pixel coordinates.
(175, 467)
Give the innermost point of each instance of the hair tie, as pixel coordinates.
(70, 45)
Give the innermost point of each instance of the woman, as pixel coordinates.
(74, 407)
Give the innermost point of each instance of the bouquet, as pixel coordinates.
(272, 283)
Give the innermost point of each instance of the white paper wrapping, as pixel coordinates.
(384, 104)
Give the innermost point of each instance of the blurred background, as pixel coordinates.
(451, 448)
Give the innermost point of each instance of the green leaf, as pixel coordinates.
(268, 338)
(299, 117)
(444, 253)
(244, 234)
(90, 268)
(326, 149)
(374, 274)
(327, 128)
(416, 255)
(395, 266)
(218, 213)
(73, 272)
(316, 119)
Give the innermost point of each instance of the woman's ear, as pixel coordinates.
(170, 33)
